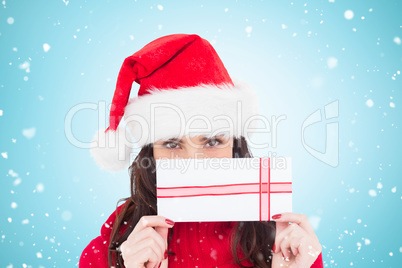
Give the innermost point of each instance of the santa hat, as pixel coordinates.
(184, 90)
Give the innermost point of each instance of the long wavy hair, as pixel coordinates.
(254, 238)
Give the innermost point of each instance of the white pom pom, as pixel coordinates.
(111, 150)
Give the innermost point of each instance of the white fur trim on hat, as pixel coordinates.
(206, 110)
(111, 150)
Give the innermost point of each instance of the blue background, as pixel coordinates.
(54, 199)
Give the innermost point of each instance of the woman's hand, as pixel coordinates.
(146, 246)
(297, 242)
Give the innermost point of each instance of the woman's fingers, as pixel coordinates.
(147, 233)
(295, 240)
(300, 219)
(164, 263)
(285, 240)
(163, 233)
(147, 243)
(151, 221)
(145, 256)
(150, 242)
(290, 244)
(295, 250)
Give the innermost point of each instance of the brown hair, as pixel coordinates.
(254, 238)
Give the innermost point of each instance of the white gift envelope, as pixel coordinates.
(223, 189)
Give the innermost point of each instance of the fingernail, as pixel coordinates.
(276, 216)
(273, 248)
(159, 265)
(170, 222)
(166, 254)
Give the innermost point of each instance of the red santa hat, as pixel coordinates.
(184, 90)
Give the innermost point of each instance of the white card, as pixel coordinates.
(223, 189)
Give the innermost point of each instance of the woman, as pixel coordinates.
(185, 73)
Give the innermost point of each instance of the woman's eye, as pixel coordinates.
(171, 145)
(214, 142)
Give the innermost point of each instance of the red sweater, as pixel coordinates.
(201, 244)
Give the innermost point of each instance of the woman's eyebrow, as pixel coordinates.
(176, 140)
(206, 138)
(202, 139)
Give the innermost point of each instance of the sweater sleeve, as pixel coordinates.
(95, 254)
(318, 262)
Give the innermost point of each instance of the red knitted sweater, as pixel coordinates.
(195, 244)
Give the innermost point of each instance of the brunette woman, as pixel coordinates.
(187, 107)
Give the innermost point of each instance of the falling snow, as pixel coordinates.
(40, 188)
(369, 103)
(249, 29)
(348, 14)
(29, 133)
(10, 20)
(46, 47)
(25, 66)
(332, 62)
(12, 173)
(372, 192)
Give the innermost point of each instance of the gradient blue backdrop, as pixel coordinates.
(299, 56)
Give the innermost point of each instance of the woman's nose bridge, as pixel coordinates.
(195, 151)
